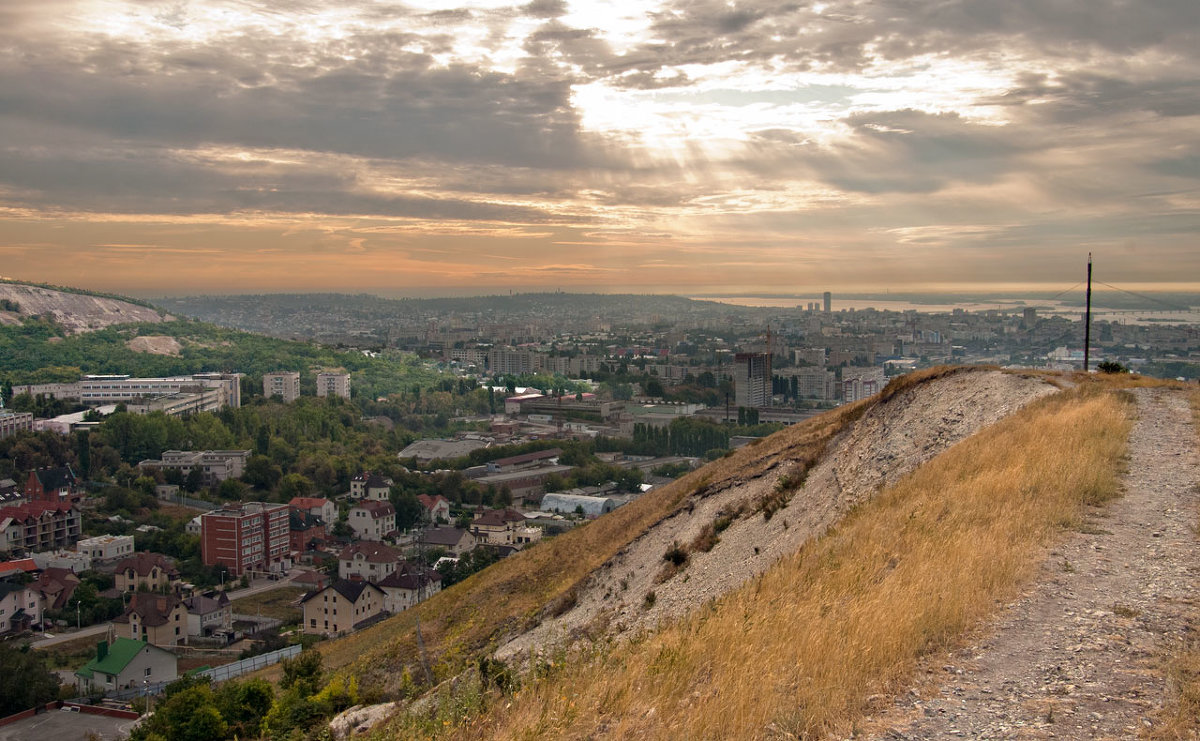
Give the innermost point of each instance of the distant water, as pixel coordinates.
(1044, 307)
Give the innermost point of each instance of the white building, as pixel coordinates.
(371, 520)
(104, 547)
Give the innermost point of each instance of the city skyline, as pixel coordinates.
(437, 147)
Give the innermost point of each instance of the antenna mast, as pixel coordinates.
(1087, 318)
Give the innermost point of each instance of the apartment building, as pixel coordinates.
(39, 526)
(333, 384)
(215, 465)
(96, 390)
(13, 422)
(252, 537)
(752, 379)
(859, 383)
(515, 362)
(284, 384)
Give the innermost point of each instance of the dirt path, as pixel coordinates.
(1074, 658)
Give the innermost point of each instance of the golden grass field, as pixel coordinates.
(797, 651)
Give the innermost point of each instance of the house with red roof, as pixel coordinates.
(437, 507)
(39, 526)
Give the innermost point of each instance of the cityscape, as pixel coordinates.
(565, 369)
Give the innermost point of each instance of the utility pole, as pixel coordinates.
(1087, 318)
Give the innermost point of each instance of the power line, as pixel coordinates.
(1144, 297)
(1072, 288)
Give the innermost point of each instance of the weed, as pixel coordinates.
(706, 540)
(649, 600)
(1125, 611)
(676, 555)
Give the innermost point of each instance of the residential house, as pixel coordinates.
(161, 619)
(456, 541)
(55, 586)
(10, 493)
(368, 561)
(372, 520)
(123, 664)
(409, 584)
(145, 572)
(319, 506)
(341, 607)
(497, 526)
(39, 526)
(52, 485)
(208, 613)
(312, 580)
(371, 486)
(437, 507)
(306, 531)
(20, 607)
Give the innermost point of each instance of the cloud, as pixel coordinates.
(674, 131)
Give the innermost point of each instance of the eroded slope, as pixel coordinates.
(639, 587)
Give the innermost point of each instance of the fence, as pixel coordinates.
(187, 501)
(260, 623)
(245, 666)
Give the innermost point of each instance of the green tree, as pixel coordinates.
(24, 680)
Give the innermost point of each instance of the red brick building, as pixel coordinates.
(252, 537)
(52, 485)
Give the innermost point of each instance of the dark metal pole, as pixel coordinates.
(1087, 319)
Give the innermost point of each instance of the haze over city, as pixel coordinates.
(443, 147)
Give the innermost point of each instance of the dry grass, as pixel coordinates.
(1180, 717)
(461, 623)
(797, 651)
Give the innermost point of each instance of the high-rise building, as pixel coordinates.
(752, 379)
(828, 302)
(333, 384)
(285, 384)
(252, 537)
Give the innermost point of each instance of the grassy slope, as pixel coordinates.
(799, 650)
(460, 623)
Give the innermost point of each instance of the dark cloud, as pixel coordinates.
(545, 8)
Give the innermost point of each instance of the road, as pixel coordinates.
(257, 586)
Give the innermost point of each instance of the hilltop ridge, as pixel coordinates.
(75, 311)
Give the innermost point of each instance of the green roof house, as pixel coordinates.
(123, 664)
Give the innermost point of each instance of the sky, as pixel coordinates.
(445, 147)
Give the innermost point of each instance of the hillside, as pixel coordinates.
(893, 578)
(76, 312)
(825, 561)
